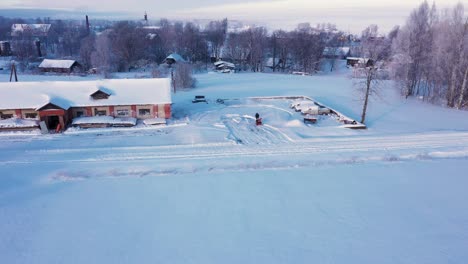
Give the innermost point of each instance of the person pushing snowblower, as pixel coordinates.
(258, 120)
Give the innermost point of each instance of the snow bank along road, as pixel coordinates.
(174, 159)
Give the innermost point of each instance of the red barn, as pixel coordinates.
(58, 103)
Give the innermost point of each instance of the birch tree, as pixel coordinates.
(374, 51)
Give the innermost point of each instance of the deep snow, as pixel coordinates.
(210, 187)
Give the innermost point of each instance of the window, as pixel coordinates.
(79, 113)
(144, 112)
(6, 116)
(123, 112)
(98, 95)
(101, 112)
(31, 115)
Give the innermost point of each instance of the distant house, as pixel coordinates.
(224, 66)
(5, 48)
(111, 102)
(174, 58)
(60, 66)
(356, 61)
(336, 52)
(34, 30)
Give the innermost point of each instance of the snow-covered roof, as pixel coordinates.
(224, 63)
(33, 29)
(57, 64)
(175, 57)
(151, 27)
(34, 95)
(336, 51)
(151, 35)
(361, 60)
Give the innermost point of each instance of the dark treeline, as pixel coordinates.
(123, 45)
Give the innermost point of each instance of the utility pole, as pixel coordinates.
(13, 71)
(173, 80)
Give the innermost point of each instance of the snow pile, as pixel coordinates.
(104, 120)
(18, 123)
(124, 121)
(294, 123)
(154, 121)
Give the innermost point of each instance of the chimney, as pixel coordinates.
(38, 46)
(146, 17)
(87, 24)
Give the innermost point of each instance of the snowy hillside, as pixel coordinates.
(211, 187)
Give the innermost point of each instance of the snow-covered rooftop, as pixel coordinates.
(58, 64)
(175, 57)
(336, 51)
(33, 95)
(224, 63)
(33, 29)
(151, 27)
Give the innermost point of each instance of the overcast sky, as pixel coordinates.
(348, 15)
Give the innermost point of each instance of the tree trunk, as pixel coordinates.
(274, 53)
(463, 88)
(366, 97)
(451, 92)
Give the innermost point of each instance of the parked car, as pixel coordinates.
(298, 105)
(310, 110)
(324, 110)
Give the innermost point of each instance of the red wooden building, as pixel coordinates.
(58, 103)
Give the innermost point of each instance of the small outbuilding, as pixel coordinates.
(356, 61)
(224, 66)
(5, 48)
(174, 58)
(60, 66)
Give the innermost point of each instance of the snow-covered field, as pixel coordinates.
(211, 187)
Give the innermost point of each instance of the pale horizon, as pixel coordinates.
(350, 16)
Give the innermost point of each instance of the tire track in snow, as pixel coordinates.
(455, 143)
(242, 129)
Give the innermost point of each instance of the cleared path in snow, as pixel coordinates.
(427, 145)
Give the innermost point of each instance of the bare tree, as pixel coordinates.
(415, 47)
(128, 44)
(237, 49)
(103, 57)
(86, 51)
(216, 34)
(374, 51)
(306, 48)
(182, 77)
